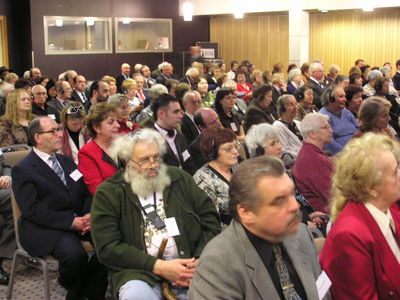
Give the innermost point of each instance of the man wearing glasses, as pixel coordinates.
(55, 206)
(150, 221)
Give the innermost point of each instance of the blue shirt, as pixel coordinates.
(344, 126)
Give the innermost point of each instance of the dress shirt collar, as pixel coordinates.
(384, 220)
(43, 155)
(164, 131)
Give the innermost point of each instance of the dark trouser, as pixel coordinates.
(7, 234)
(80, 275)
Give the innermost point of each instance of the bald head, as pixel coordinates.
(206, 118)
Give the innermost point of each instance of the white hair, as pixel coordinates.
(36, 87)
(314, 67)
(293, 73)
(116, 99)
(123, 146)
(192, 72)
(5, 88)
(163, 65)
(374, 74)
(258, 135)
(156, 90)
(229, 83)
(334, 68)
(312, 122)
(189, 94)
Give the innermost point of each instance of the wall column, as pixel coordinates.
(298, 36)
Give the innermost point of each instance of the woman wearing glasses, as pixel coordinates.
(95, 162)
(220, 147)
(121, 102)
(14, 123)
(72, 118)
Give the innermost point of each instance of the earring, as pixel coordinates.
(373, 194)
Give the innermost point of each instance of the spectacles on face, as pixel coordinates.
(230, 148)
(52, 131)
(147, 162)
(74, 110)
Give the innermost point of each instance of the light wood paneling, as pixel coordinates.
(262, 39)
(342, 37)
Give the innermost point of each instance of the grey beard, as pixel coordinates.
(144, 186)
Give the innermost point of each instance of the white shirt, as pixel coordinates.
(170, 140)
(44, 156)
(386, 225)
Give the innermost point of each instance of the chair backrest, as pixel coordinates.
(13, 157)
(16, 214)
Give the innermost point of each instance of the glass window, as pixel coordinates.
(77, 35)
(143, 35)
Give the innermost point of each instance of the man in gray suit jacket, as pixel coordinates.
(265, 253)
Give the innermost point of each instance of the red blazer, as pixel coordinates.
(95, 165)
(247, 88)
(357, 258)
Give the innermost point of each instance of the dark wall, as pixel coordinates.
(93, 66)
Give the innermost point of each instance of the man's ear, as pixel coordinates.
(246, 216)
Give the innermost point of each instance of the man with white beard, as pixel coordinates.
(150, 221)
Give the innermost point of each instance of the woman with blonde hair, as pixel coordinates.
(14, 123)
(361, 255)
(112, 83)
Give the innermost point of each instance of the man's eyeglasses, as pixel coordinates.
(74, 110)
(147, 162)
(52, 131)
(230, 148)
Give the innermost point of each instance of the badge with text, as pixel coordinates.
(172, 227)
(233, 126)
(76, 175)
(185, 155)
(323, 284)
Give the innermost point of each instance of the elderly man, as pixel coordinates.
(342, 121)
(55, 206)
(316, 82)
(165, 72)
(99, 92)
(294, 81)
(148, 80)
(192, 102)
(34, 74)
(313, 169)
(78, 94)
(140, 92)
(125, 74)
(150, 222)
(39, 105)
(64, 91)
(265, 253)
(69, 76)
(191, 77)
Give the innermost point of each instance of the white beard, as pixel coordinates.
(143, 185)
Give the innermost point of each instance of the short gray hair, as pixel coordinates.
(258, 135)
(385, 70)
(157, 90)
(122, 147)
(242, 189)
(334, 68)
(312, 122)
(36, 87)
(192, 71)
(229, 83)
(314, 67)
(163, 65)
(189, 94)
(293, 73)
(374, 74)
(281, 103)
(116, 99)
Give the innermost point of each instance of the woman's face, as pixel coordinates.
(282, 81)
(202, 86)
(24, 103)
(308, 98)
(44, 82)
(385, 88)
(228, 153)
(355, 102)
(75, 124)
(273, 148)
(267, 100)
(52, 92)
(123, 110)
(259, 79)
(228, 102)
(113, 88)
(345, 83)
(383, 120)
(131, 91)
(108, 128)
(358, 81)
(241, 78)
(291, 108)
(223, 68)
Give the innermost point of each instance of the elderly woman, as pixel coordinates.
(206, 97)
(220, 147)
(244, 88)
(95, 162)
(224, 104)
(369, 87)
(333, 72)
(305, 72)
(354, 98)
(361, 254)
(288, 129)
(112, 83)
(257, 111)
(374, 117)
(145, 118)
(313, 169)
(121, 102)
(256, 78)
(72, 118)
(342, 80)
(294, 81)
(14, 123)
(129, 88)
(304, 97)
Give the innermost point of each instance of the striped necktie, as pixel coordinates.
(57, 168)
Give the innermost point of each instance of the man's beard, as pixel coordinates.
(143, 185)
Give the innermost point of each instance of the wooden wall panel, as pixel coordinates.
(344, 36)
(262, 39)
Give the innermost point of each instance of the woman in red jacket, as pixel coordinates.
(361, 255)
(95, 162)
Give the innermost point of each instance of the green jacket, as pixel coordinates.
(117, 225)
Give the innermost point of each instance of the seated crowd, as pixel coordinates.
(217, 185)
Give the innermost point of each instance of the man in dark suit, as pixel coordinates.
(265, 252)
(192, 102)
(78, 94)
(191, 77)
(64, 91)
(204, 118)
(316, 82)
(125, 74)
(396, 77)
(141, 93)
(165, 72)
(148, 80)
(55, 206)
(99, 92)
(167, 116)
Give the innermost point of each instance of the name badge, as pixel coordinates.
(51, 116)
(172, 227)
(185, 155)
(75, 175)
(323, 284)
(233, 126)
